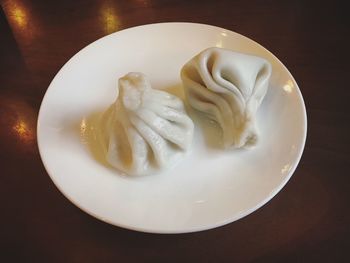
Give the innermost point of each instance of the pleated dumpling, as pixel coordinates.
(228, 87)
(145, 129)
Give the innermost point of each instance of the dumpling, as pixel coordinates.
(145, 129)
(228, 87)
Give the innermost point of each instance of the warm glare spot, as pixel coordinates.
(286, 168)
(23, 131)
(23, 23)
(83, 126)
(110, 20)
(288, 87)
(19, 16)
(21, 128)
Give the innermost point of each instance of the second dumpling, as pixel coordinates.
(228, 87)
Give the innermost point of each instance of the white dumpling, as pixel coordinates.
(145, 129)
(228, 87)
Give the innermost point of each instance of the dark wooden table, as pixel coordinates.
(308, 221)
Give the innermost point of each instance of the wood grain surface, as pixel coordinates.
(308, 221)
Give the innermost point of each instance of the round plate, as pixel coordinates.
(209, 188)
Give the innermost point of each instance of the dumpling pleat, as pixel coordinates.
(163, 127)
(156, 142)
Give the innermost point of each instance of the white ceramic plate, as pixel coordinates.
(208, 189)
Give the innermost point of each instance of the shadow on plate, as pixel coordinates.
(210, 129)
